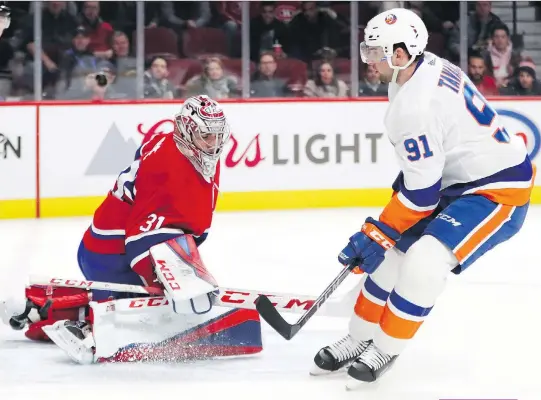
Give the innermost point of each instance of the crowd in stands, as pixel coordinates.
(495, 63)
(299, 49)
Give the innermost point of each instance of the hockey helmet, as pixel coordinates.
(385, 30)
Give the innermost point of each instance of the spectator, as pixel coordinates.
(480, 26)
(371, 85)
(503, 58)
(285, 11)
(121, 45)
(312, 30)
(57, 30)
(183, 15)
(213, 82)
(229, 18)
(69, 6)
(524, 83)
(122, 59)
(91, 88)
(156, 84)
(477, 73)
(432, 22)
(78, 61)
(124, 64)
(446, 11)
(264, 83)
(325, 84)
(100, 32)
(266, 31)
(123, 16)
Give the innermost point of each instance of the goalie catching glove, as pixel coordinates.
(366, 249)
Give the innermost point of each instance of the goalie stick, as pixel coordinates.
(226, 297)
(271, 315)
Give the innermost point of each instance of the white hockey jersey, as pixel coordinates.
(449, 142)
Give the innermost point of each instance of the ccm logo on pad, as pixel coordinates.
(168, 275)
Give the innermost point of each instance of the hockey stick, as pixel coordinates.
(226, 297)
(271, 315)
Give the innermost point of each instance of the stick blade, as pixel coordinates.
(269, 313)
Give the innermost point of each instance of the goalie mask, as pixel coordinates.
(201, 133)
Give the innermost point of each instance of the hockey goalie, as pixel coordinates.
(146, 232)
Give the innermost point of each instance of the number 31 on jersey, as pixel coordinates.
(152, 222)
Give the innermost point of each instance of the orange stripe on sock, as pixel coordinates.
(483, 233)
(368, 310)
(396, 327)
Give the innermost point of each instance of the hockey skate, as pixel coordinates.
(75, 338)
(368, 367)
(338, 355)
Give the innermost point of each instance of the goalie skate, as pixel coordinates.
(75, 338)
(338, 355)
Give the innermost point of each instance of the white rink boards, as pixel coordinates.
(480, 342)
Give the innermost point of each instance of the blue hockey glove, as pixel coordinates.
(366, 249)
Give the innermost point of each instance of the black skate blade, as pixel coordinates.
(269, 313)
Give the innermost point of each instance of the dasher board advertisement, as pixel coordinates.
(293, 154)
(18, 162)
(274, 146)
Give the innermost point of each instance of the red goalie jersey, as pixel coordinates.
(159, 196)
(170, 189)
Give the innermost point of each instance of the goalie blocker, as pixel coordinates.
(181, 325)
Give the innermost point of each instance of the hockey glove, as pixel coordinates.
(366, 249)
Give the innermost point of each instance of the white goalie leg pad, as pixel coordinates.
(127, 330)
(143, 329)
(188, 285)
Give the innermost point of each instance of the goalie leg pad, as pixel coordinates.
(147, 329)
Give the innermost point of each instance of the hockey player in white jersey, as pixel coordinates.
(464, 187)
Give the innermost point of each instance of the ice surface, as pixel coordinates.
(482, 339)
